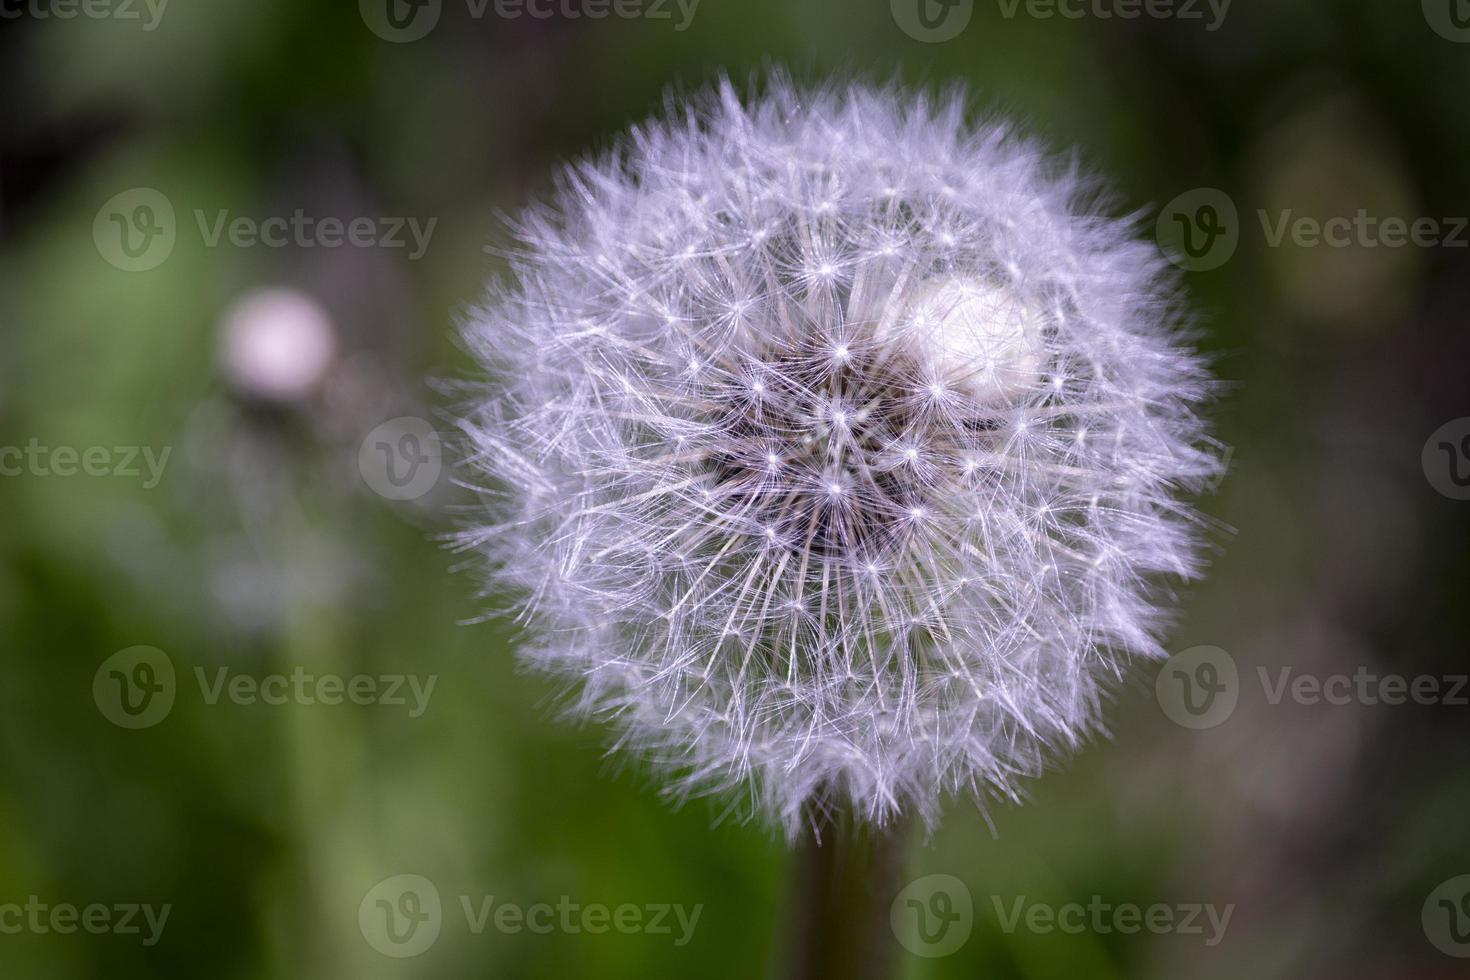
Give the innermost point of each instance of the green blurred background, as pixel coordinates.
(264, 548)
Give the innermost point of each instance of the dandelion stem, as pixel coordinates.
(846, 873)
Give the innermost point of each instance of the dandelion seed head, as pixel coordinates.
(835, 443)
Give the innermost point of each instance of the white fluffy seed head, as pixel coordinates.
(833, 444)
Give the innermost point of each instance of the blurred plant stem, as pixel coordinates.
(845, 875)
(325, 767)
(323, 779)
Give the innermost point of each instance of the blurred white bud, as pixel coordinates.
(977, 335)
(278, 343)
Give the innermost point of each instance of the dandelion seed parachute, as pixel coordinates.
(834, 446)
